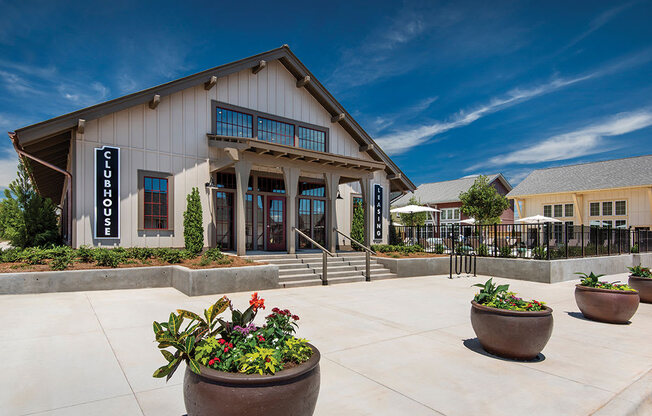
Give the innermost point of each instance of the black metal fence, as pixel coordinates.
(536, 241)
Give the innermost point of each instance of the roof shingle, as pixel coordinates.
(441, 192)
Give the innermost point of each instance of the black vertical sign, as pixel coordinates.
(378, 212)
(107, 192)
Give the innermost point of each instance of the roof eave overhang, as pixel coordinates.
(283, 54)
(579, 191)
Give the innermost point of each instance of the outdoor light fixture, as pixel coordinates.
(211, 185)
(339, 196)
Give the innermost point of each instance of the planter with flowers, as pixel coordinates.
(509, 326)
(605, 302)
(235, 367)
(641, 280)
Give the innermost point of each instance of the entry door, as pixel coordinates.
(276, 223)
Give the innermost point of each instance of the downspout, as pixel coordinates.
(14, 140)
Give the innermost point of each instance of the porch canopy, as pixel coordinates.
(537, 219)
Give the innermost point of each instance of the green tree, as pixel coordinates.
(417, 218)
(357, 223)
(26, 218)
(193, 226)
(483, 202)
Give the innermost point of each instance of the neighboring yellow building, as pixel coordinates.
(615, 193)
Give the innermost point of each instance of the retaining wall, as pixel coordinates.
(192, 282)
(545, 271)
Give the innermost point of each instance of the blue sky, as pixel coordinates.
(449, 89)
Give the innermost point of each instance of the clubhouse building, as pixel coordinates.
(276, 159)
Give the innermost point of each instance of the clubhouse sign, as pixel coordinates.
(107, 192)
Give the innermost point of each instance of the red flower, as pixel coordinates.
(261, 338)
(295, 317)
(226, 349)
(221, 341)
(257, 303)
(275, 310)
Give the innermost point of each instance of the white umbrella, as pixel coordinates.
(411, 209)
(469, 221)
(537, 219)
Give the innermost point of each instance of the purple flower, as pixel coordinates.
(247, 330)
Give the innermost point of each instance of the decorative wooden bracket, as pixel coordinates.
(366, 147)
(155, 102)
(338, 117)
(81, 125)
(303, 81)
(210, 83)
(259, 67)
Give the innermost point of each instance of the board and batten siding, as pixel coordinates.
(639, 211)
(172, 138)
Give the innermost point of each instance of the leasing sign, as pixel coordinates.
(378, 212)
(107, 192)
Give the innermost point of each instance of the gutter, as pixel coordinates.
(14, 140)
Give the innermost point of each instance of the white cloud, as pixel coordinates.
(8, 168)
(402, 141)
(582, 142)
(380, 123)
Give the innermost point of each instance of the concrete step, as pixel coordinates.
(345, 279)
(300, 283)
(297, 277)
(270, 256)
(333, 267)
(290, 272)
(383, 276)
(331, 260)
(289, 266)
(371, 266)
(283, 261)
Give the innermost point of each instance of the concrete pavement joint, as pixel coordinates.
(385, 386)
(76, 404)
(124, 374)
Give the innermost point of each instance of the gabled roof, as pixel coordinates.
(446, 191)
(615, 173)
(44, 129)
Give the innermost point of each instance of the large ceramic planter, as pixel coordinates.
(511, 334)
(291, 392)
(644, 287)
(605, 305)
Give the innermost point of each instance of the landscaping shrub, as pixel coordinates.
(505, 251)
(640, 271)
(539, 252)
(35, 255)
(193, 227)
(357, 225)
(62, 257)
(388, 248)
(11, 255)
(483, 251)
(463, 249)
(108, 258)
(592, 280)
(86, 254)
(169, 255)
(439, 249)
(499, 297)
(214, 255)
(634, 249)
(140, 253)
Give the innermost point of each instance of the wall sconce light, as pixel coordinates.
(339, 196)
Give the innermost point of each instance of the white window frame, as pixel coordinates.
(599, 209)
(616, 212)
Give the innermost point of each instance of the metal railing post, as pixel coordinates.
(495, 240)
(609, 231)
(324, 269)
(548, 241)
(367, 266)
(566, 237)
(583, 240)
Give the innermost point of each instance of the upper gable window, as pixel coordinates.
(312, 139)
(275, 131)
(234, 123)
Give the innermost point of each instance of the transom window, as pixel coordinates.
(274, 185)
(275, 131)
(156, 203)
(234, 123)
(312, 189)
(312, 139)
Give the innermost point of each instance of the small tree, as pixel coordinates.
(26, 218)
(483, 202)
(415, 219)
(193, 227)
(357, 224)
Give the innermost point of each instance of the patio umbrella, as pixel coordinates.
(537, 219)
(412, 209)
(469, 221)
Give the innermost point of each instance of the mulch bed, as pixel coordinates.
(393, 254)
(191, 264)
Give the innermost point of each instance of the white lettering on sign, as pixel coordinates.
(107, 192)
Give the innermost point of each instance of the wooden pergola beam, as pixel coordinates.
(259, 67)
(81, 126)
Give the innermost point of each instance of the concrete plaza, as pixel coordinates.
(391, 347)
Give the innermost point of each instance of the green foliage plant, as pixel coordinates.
(592, 280)
(483, 203)
(634, 249)
(193, 227)
(357, 225)
(107, 257)
(640, 271)
(483, 251)
(506, 251)
(231, 345)
(500, 297)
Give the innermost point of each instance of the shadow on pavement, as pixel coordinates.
(474, 345)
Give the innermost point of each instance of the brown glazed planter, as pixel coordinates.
(511, 334)
(291, 392)
(644, 287)
(605, 305)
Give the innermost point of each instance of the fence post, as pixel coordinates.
(597, 238)
(582, 240)
(620, 240)
(566, 237)
(547, 240)
(609, 231)
(495, 240)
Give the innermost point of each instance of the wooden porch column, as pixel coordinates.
(332, 181)
(291, 178)
(242, 170)
(367, 203)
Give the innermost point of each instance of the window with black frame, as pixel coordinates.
(233, 123)
(312, 139)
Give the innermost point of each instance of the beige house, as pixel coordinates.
(612, 193)
(270, 149)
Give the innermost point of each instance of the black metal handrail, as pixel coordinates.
(325, 253)
(368, 253)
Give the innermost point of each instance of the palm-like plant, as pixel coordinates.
(488, 291)
(590, 280)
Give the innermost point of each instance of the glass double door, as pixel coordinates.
(268, 213)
